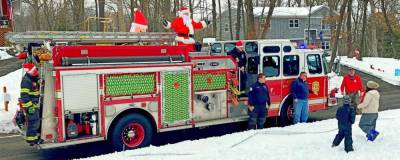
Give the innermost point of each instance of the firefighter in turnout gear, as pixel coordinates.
(30, 99)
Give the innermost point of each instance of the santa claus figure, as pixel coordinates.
(139, 23)
(184, 27)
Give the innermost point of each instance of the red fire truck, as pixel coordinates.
(126, 94)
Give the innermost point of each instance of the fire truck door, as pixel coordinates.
(271, 66)
(317, 81)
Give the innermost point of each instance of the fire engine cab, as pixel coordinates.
(127, 93)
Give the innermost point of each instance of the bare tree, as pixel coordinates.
(230, 18)
(121, 17)
(389, 26)
(373, 45)
(214, 17)
(238, 15)
(251, 28)
(268, 19)
(349, 47)
(364, 25)
(220, 19)
(338, 30)
(35, 5)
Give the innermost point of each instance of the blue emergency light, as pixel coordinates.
(397, 72)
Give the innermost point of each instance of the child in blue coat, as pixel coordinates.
(346, 117)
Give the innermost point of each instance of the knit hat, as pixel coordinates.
(346, 100)
(239, 44)
(139, 23)
(372, 85)
(30, 69)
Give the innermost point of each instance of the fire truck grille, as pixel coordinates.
(129, 84)
(176, 97)
(209, 81)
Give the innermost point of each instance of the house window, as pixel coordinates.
(324, 25)
(326, 45)
(293, 23)
(226, 28)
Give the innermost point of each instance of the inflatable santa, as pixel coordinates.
(184, 27)
(139, 23)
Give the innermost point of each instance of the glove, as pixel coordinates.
(31, 110)
(164, 22)
(207, 21)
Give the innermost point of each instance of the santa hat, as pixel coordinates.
(30, 69)
(139, 20)
(184, 10)
(239, 44)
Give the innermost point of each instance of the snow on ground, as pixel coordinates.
(335, 81)
(311, 141)
(12, 81)
(4, 55)
(383, 68)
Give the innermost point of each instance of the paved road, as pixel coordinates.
(15, 147)
(9, 65)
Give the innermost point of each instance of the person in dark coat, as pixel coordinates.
(30, 98)
(258, 103)
(240, 57)
(346, 116)
(300, 91)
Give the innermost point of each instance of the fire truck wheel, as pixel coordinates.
(130, 132)
(286, 115)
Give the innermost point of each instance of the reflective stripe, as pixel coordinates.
(317, 101)
(25, 90)
(27, 104)
(35, 93)
(31, 138)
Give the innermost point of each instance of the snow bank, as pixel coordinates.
(4, 55)
(383, 68)
(311, 141)
(12, 81)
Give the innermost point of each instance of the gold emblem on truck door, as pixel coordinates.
(315, 87)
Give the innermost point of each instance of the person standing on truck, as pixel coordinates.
(346, 117)
(258, 103)
(352, 86)
(300, 91)
(30, 99)
(239, 55)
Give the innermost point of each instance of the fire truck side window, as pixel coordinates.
(314, 64)
(271, 66)
(291, 65)
(228, 47)
(251, 48)
(216, 48)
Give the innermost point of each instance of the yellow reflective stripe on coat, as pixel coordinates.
(35, 93)
(27, 104)
(25, 90)
(31, 138)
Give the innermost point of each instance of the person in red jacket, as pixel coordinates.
(352, 86)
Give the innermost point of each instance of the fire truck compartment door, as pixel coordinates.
(80, 92)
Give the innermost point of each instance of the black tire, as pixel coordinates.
(137, 126)
(284, 118)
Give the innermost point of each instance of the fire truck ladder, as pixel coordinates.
(90, 37)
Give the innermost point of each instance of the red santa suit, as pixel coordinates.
(184, 27)
(139, 23)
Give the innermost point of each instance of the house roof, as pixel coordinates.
(289, 11)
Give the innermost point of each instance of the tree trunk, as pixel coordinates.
(238, 15)
(267, 24)
(191, 8)
(310, 3)
(363, 50)
(214, 18)
(372, 27)
(230, 19)
(243, 21)
(338, 29)
(298, 3)
(220, 19)
(121, 17)
(390, 29)
(251, 30)
(349, 47)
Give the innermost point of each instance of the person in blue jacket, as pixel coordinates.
(240, 57)
(346, 116)
(258, 103)
(300, 91)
